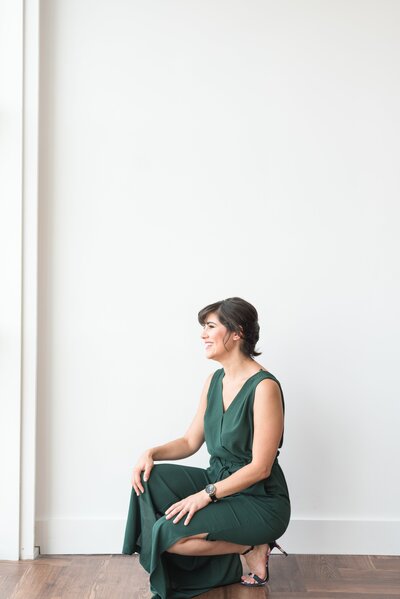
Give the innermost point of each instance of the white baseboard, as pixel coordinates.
(346, 537)
(342, 537)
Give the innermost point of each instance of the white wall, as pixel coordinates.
(191, 151)
(11, 27)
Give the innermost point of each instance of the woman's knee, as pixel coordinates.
(155, 473)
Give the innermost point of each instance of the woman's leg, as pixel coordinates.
(197, 545)
(150, 534)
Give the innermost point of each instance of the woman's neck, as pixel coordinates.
(238, 367)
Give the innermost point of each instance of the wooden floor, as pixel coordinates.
(122, 577)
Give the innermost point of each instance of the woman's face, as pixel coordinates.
(213, 335)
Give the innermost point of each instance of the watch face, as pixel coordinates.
(210, 489)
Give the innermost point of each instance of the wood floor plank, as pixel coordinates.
(285, 574)
(385, 576)
(115, 576)
(10, 574)
(385, 562)
(359, 585)
(328, 595)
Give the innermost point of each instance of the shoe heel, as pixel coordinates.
(271, 546)
(275, 544)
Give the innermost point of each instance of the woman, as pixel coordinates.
(190, 525)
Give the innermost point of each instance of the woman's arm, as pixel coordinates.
(177, 449)
(268, 427)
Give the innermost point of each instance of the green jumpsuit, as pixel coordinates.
(258, 514)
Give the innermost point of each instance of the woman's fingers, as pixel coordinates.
(182, 512)
(173, 509)
(181, 508)
(145, 465)
(189, 517)
(179, 511)
(146, 475)
(174, 506)
(136, 482)
(188, 511)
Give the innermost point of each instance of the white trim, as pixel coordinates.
(29, 275)
(342, 537)
(11, 64)
(337, 537)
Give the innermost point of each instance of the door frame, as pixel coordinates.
(19, 75)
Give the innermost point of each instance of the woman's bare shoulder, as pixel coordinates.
(270, 389)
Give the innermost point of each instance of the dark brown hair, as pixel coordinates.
(238, 316)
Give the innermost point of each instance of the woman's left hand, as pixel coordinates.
(190, 505)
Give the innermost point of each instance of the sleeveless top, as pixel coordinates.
(229, 434)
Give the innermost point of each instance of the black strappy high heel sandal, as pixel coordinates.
(275, 544)
(259, 582)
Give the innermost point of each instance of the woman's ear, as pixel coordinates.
(240, 334)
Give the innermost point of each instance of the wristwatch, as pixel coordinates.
(211, 491)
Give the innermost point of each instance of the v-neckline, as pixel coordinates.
(238, 393)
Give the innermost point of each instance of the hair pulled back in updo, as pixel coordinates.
(238, 316)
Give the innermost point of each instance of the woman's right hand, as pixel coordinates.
(145, 463)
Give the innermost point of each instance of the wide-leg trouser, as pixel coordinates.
(240, 518)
